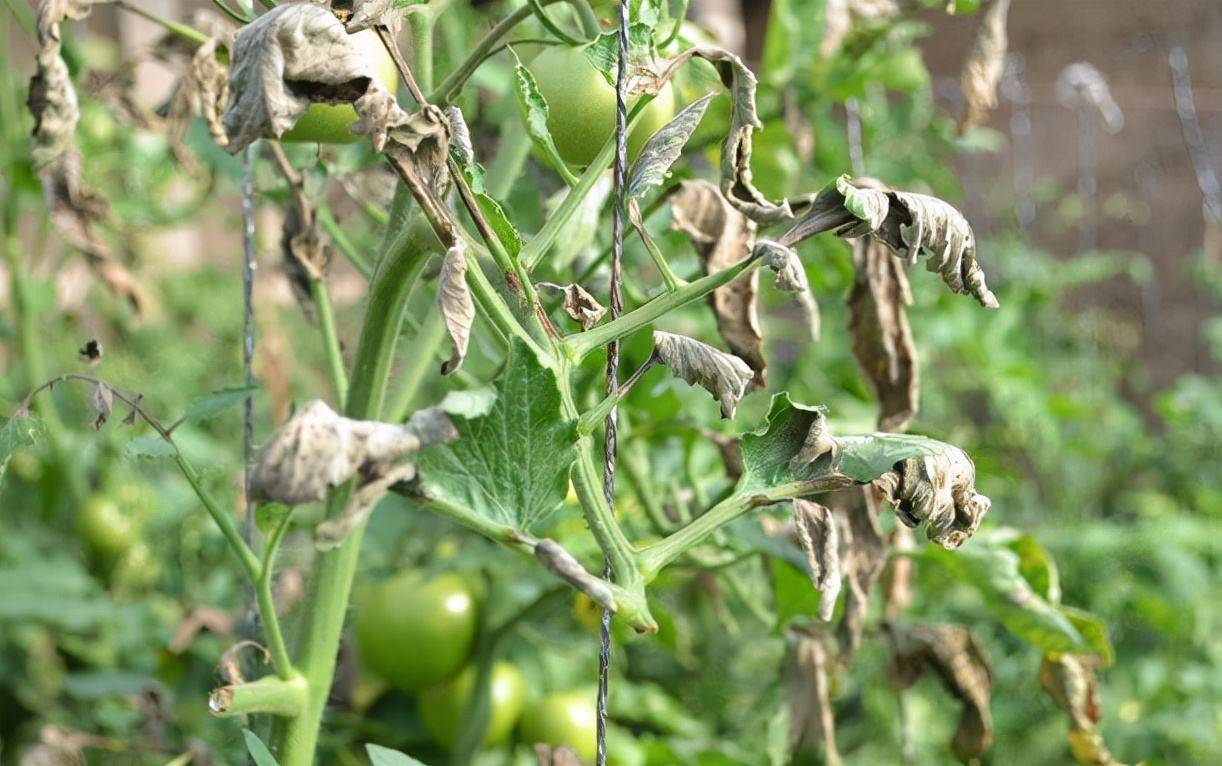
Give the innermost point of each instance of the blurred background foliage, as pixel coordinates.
(110, 630)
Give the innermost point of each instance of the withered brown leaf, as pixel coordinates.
(457, 306)
(1070, 681)
(817, 535)
(938, 489)
(984, 66)
(811, 719)
(723, 375)
(722, 237)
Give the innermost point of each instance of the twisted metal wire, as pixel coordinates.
(250, 620)
(617, 306)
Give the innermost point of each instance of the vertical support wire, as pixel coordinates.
(248, 355)
(617, 306)
(1194, 137)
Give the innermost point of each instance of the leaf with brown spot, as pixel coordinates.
(882, 338)
(790, 279)
(579, 305)
(953, 654)
(306, 253)
(290, 57)
(1070, 681)
(817, 535)
(457, 306)
(984, 66)
(722, 237)
(723, 375)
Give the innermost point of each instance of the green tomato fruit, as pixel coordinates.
(416, 632)
(563, 719)
(106, 531)
(328, 123)
(138, 567)
(444, 706)
(581, 105)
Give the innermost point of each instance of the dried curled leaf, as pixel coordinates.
(417, 144)
(938, 489)
(457, 306)
(984, 66)
(817, 535)
(367, 14)
(811, 719)
(882, 338)
(790, 278)
(202, 92)
(1070, 681)
(293, 55)
(580, 306)
(723, 375)
(722, 237)
(561, 563)
(101, 399)
(318, 449)
(736, 181)
(953, 654)
(863, 555)
(817, 443)
(1081, 85)
(52, 101)
(908, 223)
(306, 253)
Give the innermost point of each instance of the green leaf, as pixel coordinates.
(510, 464)
(469, 403)
(535, 115)
(212, 405)
(258, 750)
(603, 53)
(993, 570)
(384, 756)
(1035, 563)
(150, 446)
(506, 232)
(767, 452)
(663, 148)
(1094, 630)
(269, 516)
(792, 592)
(19, 431)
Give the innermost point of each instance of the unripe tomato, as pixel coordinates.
(416, 632)
(106, 531)
(581, 105)
(138, 568)
(563, 719)
(328, 123)
(444, 706)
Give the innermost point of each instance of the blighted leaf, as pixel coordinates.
(367, 14)
(562, 564)
(1082, 86)
(817, 535)
(1070, 681)
(993, 571)
(510, 464)
(722, 237)
(663, 148)
(457, 306)
(817, 443)
(52, 101)
(841, 15)
(908, 223)
(417, 144)
(101, 399)
(203, 91)
(290, 57)
(723, 375)
(882, 338)
(863, 554)
(790, 278)
(984, 66)
(318, 449)
(306, 253)
(957, 659)
(579, 305)
(811, 719)
(940, 490)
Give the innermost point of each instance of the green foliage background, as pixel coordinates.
(1119, 483)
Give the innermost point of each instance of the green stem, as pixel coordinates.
(173, 27)
(669, 278)
(229, 528)
(476, 523)
(330, 340)
(444, 93)
(421, 24)
(654, 558)
(506, 166)
(551, 26)
(271, 695)
(589, 21)
(267, 604)
(331, 586)
(583, 343)
(420, 355)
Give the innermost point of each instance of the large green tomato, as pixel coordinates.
(328, 123)
(581, 105)
(106, 531)
(416, 632)
(444, 706)
(564, 718)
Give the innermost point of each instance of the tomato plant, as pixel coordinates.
(524, 391)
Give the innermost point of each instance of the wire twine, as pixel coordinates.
(617, 306)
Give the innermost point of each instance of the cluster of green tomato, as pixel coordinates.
(581, 104)
(418, 633)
